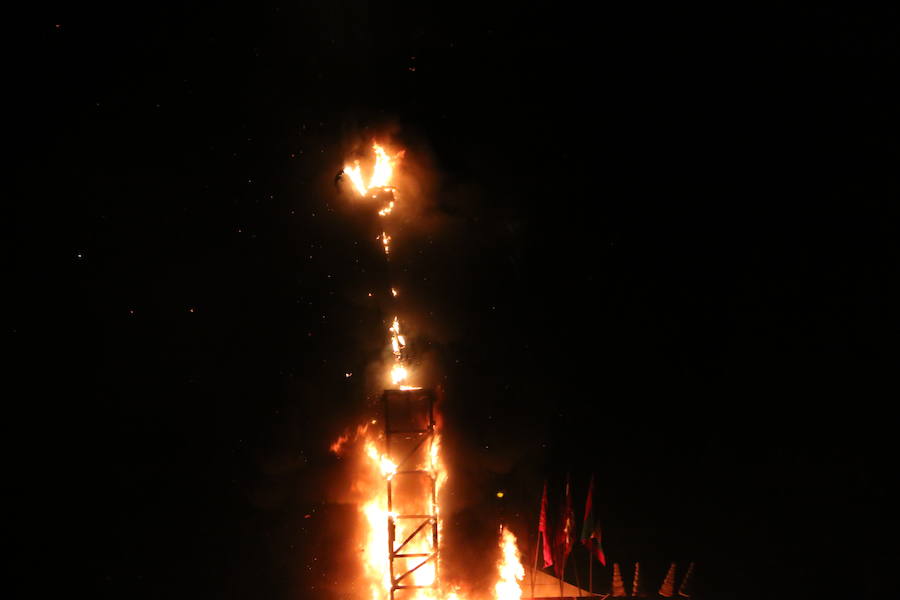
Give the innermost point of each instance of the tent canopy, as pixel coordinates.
(548, 586)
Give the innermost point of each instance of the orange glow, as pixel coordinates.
(399, 375)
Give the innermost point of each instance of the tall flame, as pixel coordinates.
(375, 554)
(371, 484)
(511, 571)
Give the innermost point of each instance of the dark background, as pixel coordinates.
(663, 248)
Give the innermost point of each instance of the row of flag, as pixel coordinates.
(558, 542)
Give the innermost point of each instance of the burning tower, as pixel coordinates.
(411, 443)
(401, 554)
(410, 462)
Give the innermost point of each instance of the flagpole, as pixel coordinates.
(588, 530)
(563, 574)
(537, 549)
(590, 572)
(577, 579)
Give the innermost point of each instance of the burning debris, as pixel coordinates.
(378, 188)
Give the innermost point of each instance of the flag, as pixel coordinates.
(545, 530)
(590, 530)
(566, 534)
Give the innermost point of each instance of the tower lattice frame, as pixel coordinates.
(409, 429)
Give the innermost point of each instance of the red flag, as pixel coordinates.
(545, 530)
(566, 535)
(590, 531)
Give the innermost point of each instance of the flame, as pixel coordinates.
(371, 485)
(384, 167)
(387, 466)
(355, 175)
(338, 446)
(510, 569)
(382, 173)
(387, 209)
(399, 372)
(437, 466)
(399, 375)
(398, 341)
(375, 550)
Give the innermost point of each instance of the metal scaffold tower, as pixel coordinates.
(409, 428)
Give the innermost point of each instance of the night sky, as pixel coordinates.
(655, 243)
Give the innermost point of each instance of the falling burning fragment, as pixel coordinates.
(379, 187)
(403, 471)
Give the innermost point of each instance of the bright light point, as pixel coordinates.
(398, 374)
(500, 494)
